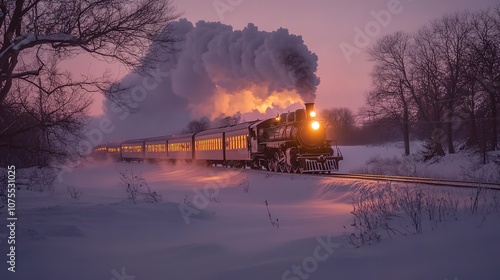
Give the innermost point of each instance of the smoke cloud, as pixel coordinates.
(221, 71)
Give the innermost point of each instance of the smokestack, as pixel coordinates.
(309, 109)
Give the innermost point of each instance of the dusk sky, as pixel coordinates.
(325, 26)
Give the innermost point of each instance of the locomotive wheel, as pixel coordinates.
(276, 164)
(301, 170)
(270, 165)
(295, 169)
(288, 168)
(282, 167)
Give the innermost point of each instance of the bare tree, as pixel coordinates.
(392, 82)
(230, 120)
(443, 78)
(198, 125)
(340, 121)
(452, 35)
(484, 69)
(40, 101)
(429, 93)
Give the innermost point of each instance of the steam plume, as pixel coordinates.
(219, 70)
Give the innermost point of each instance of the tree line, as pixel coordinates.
(43, 107)
(441, 83)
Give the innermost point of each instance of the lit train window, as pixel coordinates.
(208, 144)
(156, 148)
(132, 149)
(236, 142)
(179, 147)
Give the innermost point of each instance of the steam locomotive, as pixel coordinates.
(291, 142)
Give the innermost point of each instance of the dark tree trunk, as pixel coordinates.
(449, 129)
(472, 141)
(406, 129)
(494, 122)
(437, 141)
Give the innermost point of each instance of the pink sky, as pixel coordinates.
(325, 26)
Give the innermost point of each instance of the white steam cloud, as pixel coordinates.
(221, 71)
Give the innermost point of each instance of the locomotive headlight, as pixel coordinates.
(315, 125)
(312, 114)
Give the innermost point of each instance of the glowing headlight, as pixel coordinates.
(312, 114)
(315, 125)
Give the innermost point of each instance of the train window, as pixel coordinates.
(132, 149)
(179, 147)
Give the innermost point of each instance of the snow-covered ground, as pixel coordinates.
(389, 159)
(230, 234)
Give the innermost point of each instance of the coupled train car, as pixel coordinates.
(293, 142)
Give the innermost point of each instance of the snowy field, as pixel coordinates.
(388, 159)
(213, 223)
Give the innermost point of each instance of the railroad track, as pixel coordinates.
(403, 179)
(420, 180)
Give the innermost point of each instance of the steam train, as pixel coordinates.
(292, 142)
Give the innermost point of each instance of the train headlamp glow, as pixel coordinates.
(315, 125)
(312, 114)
